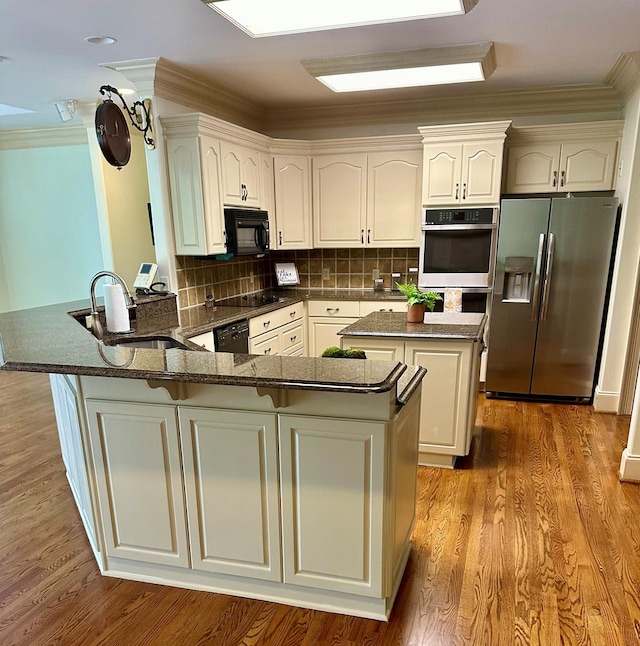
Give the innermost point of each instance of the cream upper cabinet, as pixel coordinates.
(567, 167)
(370, 200)
(566, 157)
(292, 187)
(196, 201)
(463, 163)
(394, 185)
(241, 175)
(462, 174)
(339, 200)
(266, 184)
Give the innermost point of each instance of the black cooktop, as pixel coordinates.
(254, 300)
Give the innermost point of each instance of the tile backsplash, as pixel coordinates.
(318, 268)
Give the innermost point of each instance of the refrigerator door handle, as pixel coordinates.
(547, 278)
(535, 300)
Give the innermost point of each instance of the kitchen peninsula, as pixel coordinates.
(289, 479)
(449, 345)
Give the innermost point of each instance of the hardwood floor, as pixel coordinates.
(532, 540)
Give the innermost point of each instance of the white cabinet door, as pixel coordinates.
(588, 166)
(380, 349)
(241, 175)
(442, 170)
(205, 340)
(332, 540)
(231, 483)
(394, 191)
(196, 203)
(533, 168)
(139, 477)
(339, 200)
(292, 202)
(446, 393)
(481, 173)
(323, 333)
(68, 418)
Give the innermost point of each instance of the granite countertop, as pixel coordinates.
(437, 325)
(49, 340)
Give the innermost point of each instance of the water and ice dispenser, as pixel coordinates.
(518, 279)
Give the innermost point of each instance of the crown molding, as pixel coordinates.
(585, 131)
(507, 104)
(43, 137)
(624, 76)
(485, 131)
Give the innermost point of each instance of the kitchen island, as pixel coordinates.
(271, 477)
(449, 345)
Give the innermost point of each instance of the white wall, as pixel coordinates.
(48, 225)
(5, 305)
(607, 393)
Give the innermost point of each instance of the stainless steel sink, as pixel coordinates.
(154, 342)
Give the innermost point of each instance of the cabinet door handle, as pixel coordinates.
(362, 236)
(280, 236)
(267, 323)
(292, 314)
(555, 179)
(368, 236)
(457, 191)
(333, 309)
(267, 351)
(293, 338)
(562, 178)
(464, 191)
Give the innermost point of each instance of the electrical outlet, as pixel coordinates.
(375, 273)
(326, 273)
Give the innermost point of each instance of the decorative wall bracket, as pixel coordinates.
(138, 114)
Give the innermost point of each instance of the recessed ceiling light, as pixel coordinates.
(101, 40)
(438, 66)
(260, 18)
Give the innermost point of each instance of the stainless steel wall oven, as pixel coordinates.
(458, 247)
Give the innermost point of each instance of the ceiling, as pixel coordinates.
(538, 43)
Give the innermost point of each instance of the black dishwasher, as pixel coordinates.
(233, 337)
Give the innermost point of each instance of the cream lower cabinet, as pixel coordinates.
(230, 479)
(333, 541)
(139, 477)
(69, 419)
(231, 482)
(449, 390)
(281, 331)
(326, 319)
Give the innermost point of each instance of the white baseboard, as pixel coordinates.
(630, 467)
(606, 402)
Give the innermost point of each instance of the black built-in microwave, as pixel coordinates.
(247, 232)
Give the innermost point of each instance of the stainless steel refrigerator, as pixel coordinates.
(550, 290)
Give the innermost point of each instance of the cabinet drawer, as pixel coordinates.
(291, 335)
(334, 308)
(264, 323)
(366, 307)
(205, 340)
(265, 344)
(291, 313)
(295, 351)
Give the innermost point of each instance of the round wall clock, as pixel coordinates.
(113, 134)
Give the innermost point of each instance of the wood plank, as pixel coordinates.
(532, 539)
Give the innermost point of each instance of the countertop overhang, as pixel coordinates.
(48, 339)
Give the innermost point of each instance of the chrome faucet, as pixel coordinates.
(96, 327)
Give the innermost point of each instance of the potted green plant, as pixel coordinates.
(418, 301)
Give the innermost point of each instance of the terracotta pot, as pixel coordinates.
(415, 313)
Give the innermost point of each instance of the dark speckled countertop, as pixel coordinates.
(48, 339)
(437, 325)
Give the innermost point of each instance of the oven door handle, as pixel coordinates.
(459, 227)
